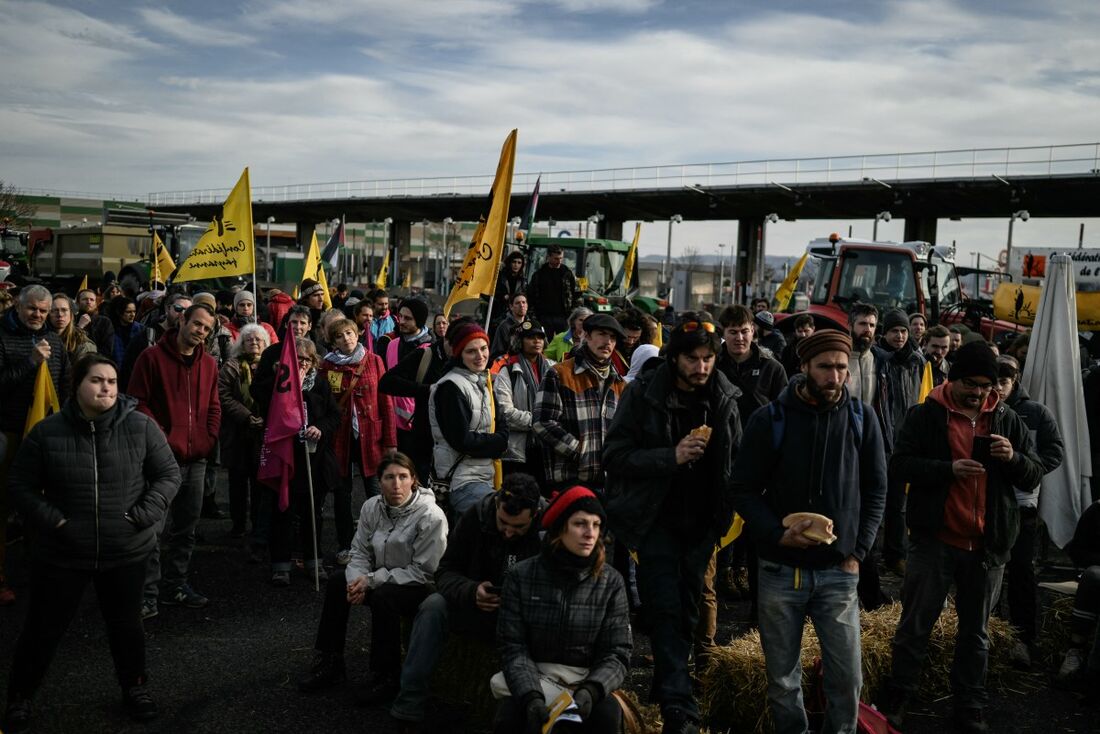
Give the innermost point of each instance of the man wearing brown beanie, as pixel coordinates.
(813, 450)
(961, 451)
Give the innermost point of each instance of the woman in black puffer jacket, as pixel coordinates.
(564, 614)
(93, 481)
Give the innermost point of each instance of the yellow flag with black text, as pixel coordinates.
(478, 276)
(44, 402)
(163, 265)
(83, 285)
(786, 289)
(315, 270)
(631, 257)
(380, 281)
(227, 247)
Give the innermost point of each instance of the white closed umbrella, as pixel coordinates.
(1052, 376)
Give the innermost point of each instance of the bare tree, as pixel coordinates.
(690, 260)
(15, 210)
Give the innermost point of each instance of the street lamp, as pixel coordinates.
(721, 265)
(880, 217)
(1023, 215)
(447, 222)
(759, 275)
(270, 265)
(667, 267)
(597, 217)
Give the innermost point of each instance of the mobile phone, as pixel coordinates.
(981, 452)
(495, 590)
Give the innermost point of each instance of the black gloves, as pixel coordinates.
(583, 698)
(537, 714)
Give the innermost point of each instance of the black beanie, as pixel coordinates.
(894, 317)
(975, 359)
(418, 309)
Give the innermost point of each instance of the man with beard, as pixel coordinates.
(904, 368)
(575, 406)
(174, 306)
(412, 333)
(670, 499)
(862, 368)
(937, 343)
(961, 449)
(98, 327)
(812, 451)
(502, 337)
(384, 322)
(634, 326)
(553, 291)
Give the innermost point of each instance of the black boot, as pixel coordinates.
(970, 720)
(139, 705)
(327, 671)
(210, 509)
(893, 706)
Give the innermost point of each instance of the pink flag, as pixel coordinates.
(285, 419)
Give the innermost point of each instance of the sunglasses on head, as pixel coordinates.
(178, 308)
(689, 326)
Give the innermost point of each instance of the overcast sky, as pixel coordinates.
(110, 96)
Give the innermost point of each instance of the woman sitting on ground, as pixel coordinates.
(564, 613)
(397, 547)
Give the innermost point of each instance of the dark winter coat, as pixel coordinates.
(400, 381)
(1084, 549)
(819, 467)
(478, 552)
(551, 613)
(902, 369)
(508, 285)
(17, 371)
(102, 332)
(240, 440)
(922, 457)
(553, 292)
(760, 378)
(1045, 436)
(323, 412)
(111, 479)
(640, 455)
(181, 398)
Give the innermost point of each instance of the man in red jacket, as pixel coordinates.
(176, 384)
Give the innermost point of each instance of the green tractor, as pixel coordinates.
(600, 268)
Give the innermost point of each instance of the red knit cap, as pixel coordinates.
(564, 504)
(466, 333)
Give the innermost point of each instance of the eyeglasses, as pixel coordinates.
(178, 308)
(983, 386)
(689, 326)
(305, 361)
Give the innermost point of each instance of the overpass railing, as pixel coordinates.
(1051, 160)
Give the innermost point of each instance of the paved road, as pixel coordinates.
(232, 666)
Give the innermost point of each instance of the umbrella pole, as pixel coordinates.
(313, 525)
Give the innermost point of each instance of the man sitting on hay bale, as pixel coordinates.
(961, 451)
(810, 482)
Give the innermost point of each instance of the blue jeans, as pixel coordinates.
(429, 632)
(169, 564)
(468, 495)
(787, 596)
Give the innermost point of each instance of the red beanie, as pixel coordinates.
(564, 504)
(463, 335)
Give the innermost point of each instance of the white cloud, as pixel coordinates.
(190, 31)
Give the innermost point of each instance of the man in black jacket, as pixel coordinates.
(552, 292)
(99, 328)
(814, 450)
(491, 537)
(962, 452)
(669, 497)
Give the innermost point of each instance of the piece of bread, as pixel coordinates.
(821, 530)
(702, 432)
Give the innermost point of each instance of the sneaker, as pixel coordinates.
(1020, 656)
(18, 716)
(970, 719)
(185, 596)
(1071, 664)
(139, 705)
(343, 558)
(381, 690)
(149, 609)
(327, 670)
(280, 578)
(7, 596)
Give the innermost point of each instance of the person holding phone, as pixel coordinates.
(963, 520)
(489, 539)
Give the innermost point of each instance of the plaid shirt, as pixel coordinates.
(573, 411)
(553, 614)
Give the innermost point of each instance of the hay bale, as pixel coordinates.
(735, 684)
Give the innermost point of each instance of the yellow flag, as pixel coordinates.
(227, 247)
(407, 282)
(44, 402)
(631, 257)
(926, 382)
(478, 276)
(786, 289)
(83, 285)
(162, 260)
(380, 282)
(314, 269)
(733, 532)
(498, 467)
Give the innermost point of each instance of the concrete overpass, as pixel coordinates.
(921, 188)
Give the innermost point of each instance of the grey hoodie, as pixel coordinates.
(398, 545)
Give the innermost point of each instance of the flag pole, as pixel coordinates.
(489, 313)
(313, 521)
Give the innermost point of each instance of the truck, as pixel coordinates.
(913, 276)
(600, 269)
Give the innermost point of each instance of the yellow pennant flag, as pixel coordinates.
(44, 402)
(786, 289)
(163, 265)
(631, 257)
(227, 247)
(407, 282)
(380, 281)
(926, 382)
(478, 276)
(83, 285)
(733, 533)
(315, 270)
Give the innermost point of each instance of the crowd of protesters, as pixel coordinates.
(534, 479)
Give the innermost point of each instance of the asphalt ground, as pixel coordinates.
(232, 666)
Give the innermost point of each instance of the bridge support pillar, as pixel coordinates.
(920, 228)
(400, 249)
(304, 232)
(608, 229)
